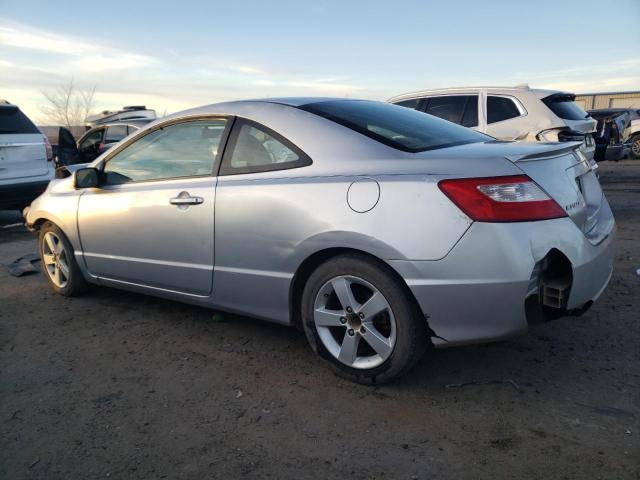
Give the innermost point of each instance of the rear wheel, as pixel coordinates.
(360, 319)
(58, 262)
(635, 147)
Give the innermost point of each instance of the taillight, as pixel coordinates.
(48, 149)
(501, 199)
(563, 134)
(570, 136)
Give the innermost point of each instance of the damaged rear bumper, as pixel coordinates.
(481, 290)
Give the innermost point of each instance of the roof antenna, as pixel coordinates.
(523, 86)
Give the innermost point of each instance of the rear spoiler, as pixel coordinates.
(553, 151)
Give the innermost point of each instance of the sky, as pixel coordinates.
(173, 55)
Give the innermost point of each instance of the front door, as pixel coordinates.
(151, 222)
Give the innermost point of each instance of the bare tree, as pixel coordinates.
(68, 105)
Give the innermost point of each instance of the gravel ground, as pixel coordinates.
(120, 385)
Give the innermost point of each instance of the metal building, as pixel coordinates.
(590, 101)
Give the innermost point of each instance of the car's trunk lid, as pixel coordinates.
(22, 148)
(22, 156)
(568, 177)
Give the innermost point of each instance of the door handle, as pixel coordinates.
(184, 198)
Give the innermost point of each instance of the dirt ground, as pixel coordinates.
(119, 385)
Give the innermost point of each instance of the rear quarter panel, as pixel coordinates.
(265, 228)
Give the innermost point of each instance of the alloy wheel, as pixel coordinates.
(355, 322)
(635, 148)
(55, 259)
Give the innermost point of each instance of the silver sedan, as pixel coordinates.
(378, 230)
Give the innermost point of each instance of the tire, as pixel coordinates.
(635, 148)
(58, 261)
(362, 345)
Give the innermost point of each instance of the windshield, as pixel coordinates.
(395, 126)
(564, 107)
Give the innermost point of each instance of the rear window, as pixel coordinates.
(564, 107)
(12, 120)
(398, 127)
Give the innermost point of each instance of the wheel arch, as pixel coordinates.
(35, 220)
(313, 261)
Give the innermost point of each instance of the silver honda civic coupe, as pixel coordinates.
(378, 230)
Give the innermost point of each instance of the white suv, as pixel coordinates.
(26, 159)
(509, 113)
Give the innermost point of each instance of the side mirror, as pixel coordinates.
(87, 178)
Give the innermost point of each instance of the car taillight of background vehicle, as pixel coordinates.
(49, 150)
(560, 135)
(501, 199)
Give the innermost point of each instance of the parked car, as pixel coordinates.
(140, 112)
(622, 127)
(509, 113)
(26, 158)
(610, 143)
(94, 142)
(375, 228)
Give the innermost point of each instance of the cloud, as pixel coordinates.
(605, 76)
(86, 56)
(248, 70)
(36, 60)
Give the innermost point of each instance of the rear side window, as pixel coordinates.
(401, 128)
(470, 116)
(564, 107)
(255, 148)
(132, 129)
(412, 103)
(115, 133)
(450, 107)
(501, 108)
(12, 120)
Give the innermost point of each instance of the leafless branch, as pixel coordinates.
(68, 105)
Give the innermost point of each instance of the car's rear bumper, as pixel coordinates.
(617, 152)
(18, 195)
(477, 292)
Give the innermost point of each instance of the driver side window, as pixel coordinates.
(182, 150)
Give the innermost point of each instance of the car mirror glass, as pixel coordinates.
(86, 178)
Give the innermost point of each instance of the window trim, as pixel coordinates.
(518, 104)
(225, 169)
(176, 121)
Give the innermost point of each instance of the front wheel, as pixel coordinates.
(635, 147)
(360, 319)
(58, 262)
